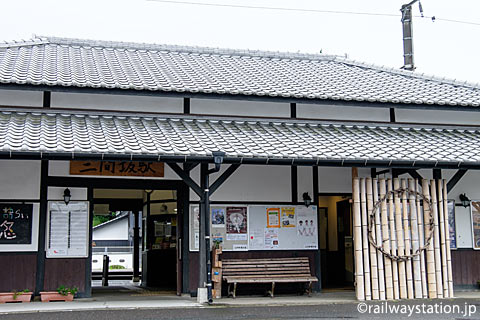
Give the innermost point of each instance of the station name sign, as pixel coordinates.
(117, 168)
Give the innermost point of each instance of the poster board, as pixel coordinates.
(228, 226)
(67, 229)
(16, 223)
(451, 224)
(475, 212)
(298, 228)
(242, 228)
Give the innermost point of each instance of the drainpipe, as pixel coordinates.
(205, 176)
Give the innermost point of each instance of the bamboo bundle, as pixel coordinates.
(436, 240)
(443, 244)
(373, 254)
(359, 287)
(447, 237)
(407, 241)
(386, 241)
(417, 277)
(432, 286)
(378, 238)
(400, 242)
(393, 237)
(421, 237)
(365, 243)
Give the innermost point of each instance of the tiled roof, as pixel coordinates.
(134, 137)
(101, 64)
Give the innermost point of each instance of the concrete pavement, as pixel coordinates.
(166, 300)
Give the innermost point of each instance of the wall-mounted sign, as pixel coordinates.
(67, 229)
(451, 224)
(475, 209)
(16, 223)
(117, 168)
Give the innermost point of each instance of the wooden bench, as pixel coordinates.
(273, 270)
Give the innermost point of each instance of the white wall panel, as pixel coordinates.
(116, 102)
(21, 98)
(437, 116)
(117, 230)
(251, 183)
(56, 193)
(305, 182)
(315, 111)
(335, 180)
(20, 179)
(239, 108)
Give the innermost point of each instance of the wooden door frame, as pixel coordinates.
(140, 184)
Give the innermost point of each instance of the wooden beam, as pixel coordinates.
(293, 110)
(455, 179)
(225, 175)
(294, 183)
(186, 178)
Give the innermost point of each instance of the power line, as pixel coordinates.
(433, 18)
(276, 8)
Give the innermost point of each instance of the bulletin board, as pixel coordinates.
(242, 228)
(67, 229)
(228, 226)
(282, 228)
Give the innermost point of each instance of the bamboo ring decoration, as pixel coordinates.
(371, 221)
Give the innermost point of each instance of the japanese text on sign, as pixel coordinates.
(16, 223)
(117, 168)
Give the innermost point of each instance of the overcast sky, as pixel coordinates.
(441, 48)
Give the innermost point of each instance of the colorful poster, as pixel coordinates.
(218, 217)
(475, 207)
(237, 221)
(288, 217)
(451, 224)
(271, 238)
(273, 217)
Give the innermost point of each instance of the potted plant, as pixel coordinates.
(16, 296)
(63, 293)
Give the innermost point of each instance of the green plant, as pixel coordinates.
(116, 266)
(64, 291)
(17, 293)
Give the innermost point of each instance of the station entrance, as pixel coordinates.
(134, 240)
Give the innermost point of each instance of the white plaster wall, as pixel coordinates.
(239, 108)
(304, 182)
(335, 180)
(117, 230)
(116, 102)
(56, 194)
(20, 179)
(327, 112)
(62, 168)
(437, 116)
(251, 183)
(21, 98)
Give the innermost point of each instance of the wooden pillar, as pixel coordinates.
(42, 228)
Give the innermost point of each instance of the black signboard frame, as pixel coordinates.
(16, 223)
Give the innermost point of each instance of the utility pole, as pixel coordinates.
(408, 63)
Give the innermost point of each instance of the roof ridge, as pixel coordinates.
(403, 72)
(185, 48)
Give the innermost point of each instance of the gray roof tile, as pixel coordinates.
(115, 134)
(102, 64)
